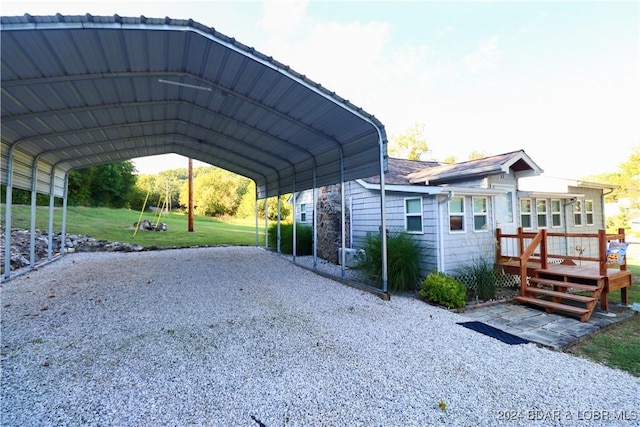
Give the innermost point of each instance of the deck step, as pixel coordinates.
(574, 274)
(563, 295)
(563, 284)
(583, 312)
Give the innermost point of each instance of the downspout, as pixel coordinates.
(447, 199)
(350, 216)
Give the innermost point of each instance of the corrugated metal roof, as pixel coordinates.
(86, 90)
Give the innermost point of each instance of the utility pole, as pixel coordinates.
(190, 208)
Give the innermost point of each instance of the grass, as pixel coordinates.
(116, 225)
(618, 346)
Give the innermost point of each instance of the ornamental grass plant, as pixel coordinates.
(404, 254)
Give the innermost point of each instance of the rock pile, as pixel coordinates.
(20, 246)
(145, 224)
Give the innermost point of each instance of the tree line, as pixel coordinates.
(216, 192)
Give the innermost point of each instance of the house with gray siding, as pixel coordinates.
(455, 209)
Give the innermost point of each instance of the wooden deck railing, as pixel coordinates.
(542, 247)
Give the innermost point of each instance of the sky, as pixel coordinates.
(558, 79)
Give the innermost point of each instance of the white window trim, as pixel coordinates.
(303, 211)
(546, 213)
(463, 213)
(529, 214)
(485, 214)
(587, 212)
(407, 215)
(581, 213)
(559, 213)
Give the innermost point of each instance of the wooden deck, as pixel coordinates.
(563, 282)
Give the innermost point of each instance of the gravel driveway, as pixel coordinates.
(241, 337)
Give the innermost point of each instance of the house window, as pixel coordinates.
(413, 215)
(525, 213)
(556, 213)
(577, 213)
(541, 213)
(480, 214)
(588, 211)
(456, 214)
(303, 212)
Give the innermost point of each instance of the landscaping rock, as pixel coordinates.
(21, 244)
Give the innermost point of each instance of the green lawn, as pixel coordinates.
(117, 225)
(618, 346)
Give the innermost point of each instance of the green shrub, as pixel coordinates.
(480, 277)
(404, 253)
(304, 239)
(444, 290)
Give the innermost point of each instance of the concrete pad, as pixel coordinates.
(552, 330)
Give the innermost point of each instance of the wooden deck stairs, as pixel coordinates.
(564, 286)
(555, 291)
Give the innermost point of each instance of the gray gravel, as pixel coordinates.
(241, 337)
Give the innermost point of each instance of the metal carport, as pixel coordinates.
(85, 90)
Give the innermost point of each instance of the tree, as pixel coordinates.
(411, 145)
(111, 185)
(216, 191)
(247, 206)
(157, 186)
(449, 160)
(627, 178)
(475, 155)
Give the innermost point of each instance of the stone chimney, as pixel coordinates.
(329, 212)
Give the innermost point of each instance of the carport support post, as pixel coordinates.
(63, 232)
(52, 198)
(190, 186)
(279, 253)
(266, 220)
(257, 229)
(383, 219)
(315, 220)
(7, 219)
(293, 198)
(343, 255)
(32, 228)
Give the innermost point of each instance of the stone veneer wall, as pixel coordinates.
(329, 212)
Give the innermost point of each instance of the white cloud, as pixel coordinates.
(486, 57)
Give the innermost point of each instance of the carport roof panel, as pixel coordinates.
(77, 90)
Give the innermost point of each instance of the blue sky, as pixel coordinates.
(560, 80)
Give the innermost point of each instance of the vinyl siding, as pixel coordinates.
(461, 249)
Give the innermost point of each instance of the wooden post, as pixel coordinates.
(602, 252)
(190, 207)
